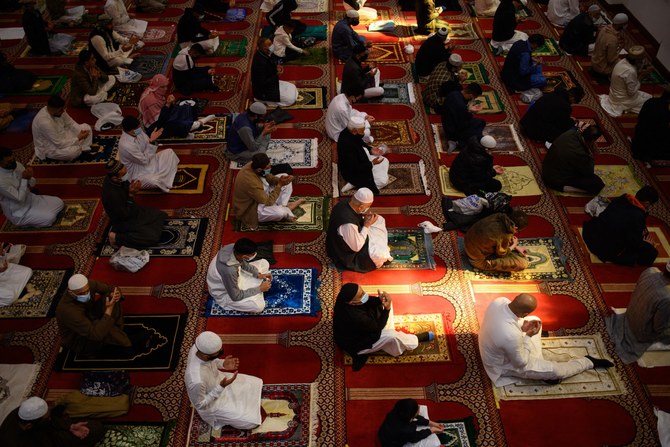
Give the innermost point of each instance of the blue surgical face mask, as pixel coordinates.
(251, 258)
(137, 131)
(265, 172)
(85, 298)
(272, 49)
(364, 298)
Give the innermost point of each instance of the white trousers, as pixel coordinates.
(71, 152)
(430, 441)
(101, 96)
(375, 91)
(278, 211)
(379, 243)
(72, 15)
(209, 45)
(616, 106)
(252, 304)
(380, 171)
(507, 44)
(391, 341)
(42, 213)
(288, 95)
(365, 13)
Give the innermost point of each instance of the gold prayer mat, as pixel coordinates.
(310, 98)
(386, 53)
(76, 216)
(226, 82)
(505, 135)
(476, 73)
(404, 179)
(657, 236)
(210, 132)
(618, 179)
(558, 79)
(40, 295)
(457, 31)
(189, 179)
(491, 103)
(517, 181)
(127, 94)
(428, 352)
(311, 217)
(590, 383)
(393, 133)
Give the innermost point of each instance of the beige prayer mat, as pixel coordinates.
(312, 6)
(618, 179)
(590, 383)
(653, 359)
(393, 133)
(428, 352)
(16, 382)
(517, 181)
(404, 179)
(76, 217)
(505, 135)
(657, 237)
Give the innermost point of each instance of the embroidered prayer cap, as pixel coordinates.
(77, 282)
(620, 19)
(636, 51)
(488, 142)
(347, 292)
(33, 408)
(104, 19)
(594, 8)
(113, 166)
(364, 195)
(356, 122)
(208, 343)
(353, 14)
(258, 108)
(456, 60)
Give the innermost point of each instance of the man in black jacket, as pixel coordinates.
(365, 77)
(363, 324)
(457, 116)
(551, 115)
(434, 50)
(361, 165)
(580, 34)
(190, 30)
(265, 82)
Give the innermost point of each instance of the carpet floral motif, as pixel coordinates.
(40, 296)
(411, 249)
(404, 179)
(393, 133)
(75, 217)
(310, 217)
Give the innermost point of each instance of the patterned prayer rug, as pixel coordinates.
(559, 79)
(103, 149)
(162, 353)
(138, 434)
(299, 153)
(428, 352)
(476, 73)
(189, 179)
(16, 383)
(654, 78)
(310, 98)
(393, 133)
(657, 237)
(231, 48)
(505, 135)
(311, 6)
(23, 121)
(590, 383)
(411, 249)
(491, 103)
(319, 32)
(291, 406)
(211, 132)
(404, 179)
(618, 179)
(293, 292)
(180, 238)
(312, 216)
(549, 49)
(545, 262)
(604, 139)
(457, 31)
(150, 65)
(158, 34)
(516, 180)
(459, 433)
(45, 86)
(226, 83)
(76, 216)
(316, 56)
(386, 53)
(39, 298)
(127, 94)
(394, 94)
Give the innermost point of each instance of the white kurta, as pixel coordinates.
(506, 45)
(114, 58)
(380, 171)
(154, 169)
(378, 247)
(12, 282)
(486, 8)
(288, 95)
(57, 137)
(391, 341)
(209, 45)
(508, 354)
(72, 15)
(116, 9)
(338, 114)
(625, 94)
(280, 210)
(561, 12)
(365, 13)
(238, 404)
(21, 206)
(254, 303)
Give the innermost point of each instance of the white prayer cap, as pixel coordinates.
(33, 408)
(364, 195)
(488, 142)
(523, 2)
(77, 282)
(620, 19)
(208, 343)
(594, 8)
(352, 14)
(456, 60)
(409, 48)
(356, 122)
(636, 51)
(444, 31)
(258, 108)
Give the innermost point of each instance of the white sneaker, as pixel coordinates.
(347, 187)
(196, 125)
(207, 119)
(547, 145)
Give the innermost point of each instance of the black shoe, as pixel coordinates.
(359, 361)
(600, 363)
(552, 381)
(425, 336)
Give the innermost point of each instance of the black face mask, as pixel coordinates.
(11, 166)
(355, 22)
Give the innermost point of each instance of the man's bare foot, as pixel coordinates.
(112, 238)
(295, 204)
(290, 219)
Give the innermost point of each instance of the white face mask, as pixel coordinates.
(137, 132)
(272, 48)
(365, 210)
(251, 258)
(364, 298)
(85, 298)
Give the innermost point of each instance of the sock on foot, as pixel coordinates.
(600, 363)
(425, 336)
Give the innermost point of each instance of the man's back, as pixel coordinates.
(648, 311)
(489, 236)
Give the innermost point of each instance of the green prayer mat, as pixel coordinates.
(231, 48)
(45, 86)
(476, 73)
(316, 56)
(411, 248)
(550, 48)
(137, 434)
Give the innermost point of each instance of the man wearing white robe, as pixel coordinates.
(625, 94)
(236, 281)
(19, 205)
(142, 159)
(116, 9)
(13, 277)
(56, 135)
(561, 12)
(340, 111)
(511, 350)
(486, 8)
(221, 398)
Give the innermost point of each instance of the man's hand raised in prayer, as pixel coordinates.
(377, 160)
(156, 134)
(227, 381)
(369, 118)
(231, 363)
(385, 299)
(499, 169)
(170, 100)
(369, 219)
(83, 134)
(531, 327)
(285, 180)
(211, 72)
(80, 429)
(268, 128)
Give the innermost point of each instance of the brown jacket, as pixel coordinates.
(490, 236)
(83, 84)
(606, 51)
(249, 193)
(84, 327)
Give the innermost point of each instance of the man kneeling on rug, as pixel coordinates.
(510, 346)
(491, 244)
(236, 281)
(357, 240)
(363, 324)
(219, 394)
